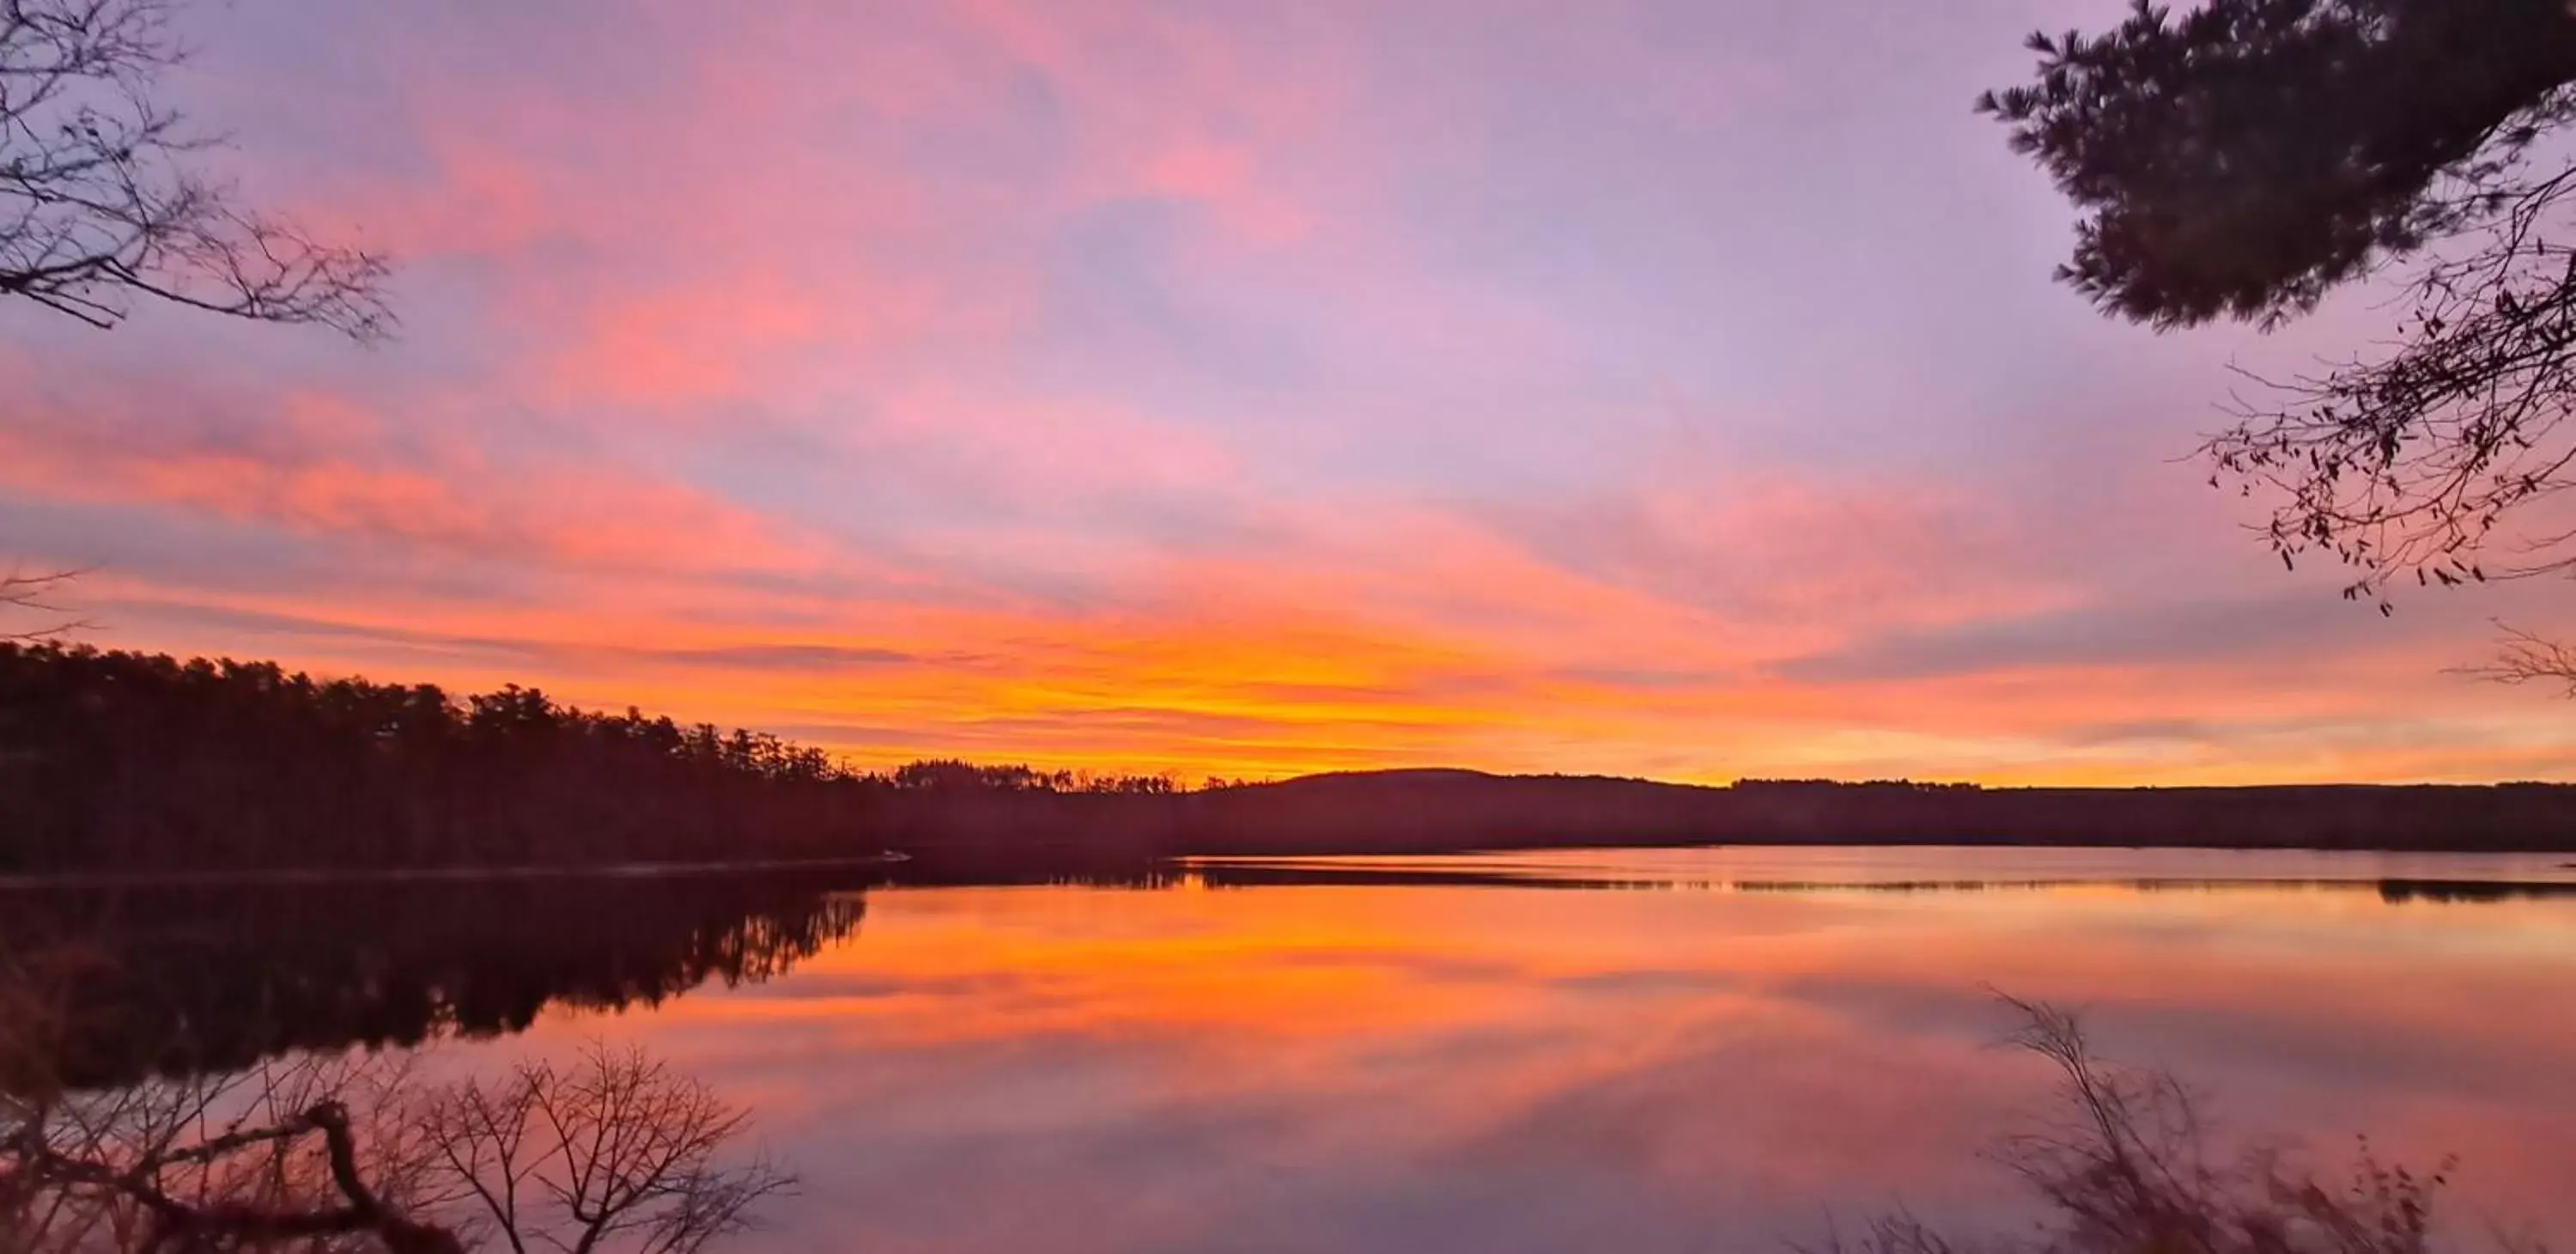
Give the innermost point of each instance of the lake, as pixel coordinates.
(1696, 1049)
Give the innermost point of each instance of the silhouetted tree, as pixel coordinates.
(950, 773)
(117, 758)
(128, 762)
(2246, 159)
(2243, 161)
(113, 759)
(955, 775)
(613, 1152)
(104, 198)
(331, 1154)
(293, 1154)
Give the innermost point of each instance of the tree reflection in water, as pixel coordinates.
(177, 1071)
(333, 1153)
(171, 981)
(179, 1076)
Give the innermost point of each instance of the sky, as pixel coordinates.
(1643, 387)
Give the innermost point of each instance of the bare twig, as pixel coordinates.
(2428, 461)
(615, 1152)
(21, 590)
(103, 201)
(2129, 1165)
(2523, 658)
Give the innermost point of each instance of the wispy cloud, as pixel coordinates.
(1643, 387)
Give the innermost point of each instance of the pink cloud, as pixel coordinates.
(322, 464)
(1180, 389)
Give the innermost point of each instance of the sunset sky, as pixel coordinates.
(1663, 388)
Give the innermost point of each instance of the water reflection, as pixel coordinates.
(1264, 873)
(179, 979)
(1437, 1055)
(1489, 1053)
(2394, 877)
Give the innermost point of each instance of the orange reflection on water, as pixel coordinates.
(1701, 1059)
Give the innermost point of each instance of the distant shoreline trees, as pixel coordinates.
(129, 760)
(124, 759)
(129, 763)
(951, 773)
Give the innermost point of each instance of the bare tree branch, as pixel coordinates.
(211, 1163)
(614, 1151)
(2523, 658)
(2440, 457)
(103, 199)
(21, 590)
(2128, 1165)
(333, 1155)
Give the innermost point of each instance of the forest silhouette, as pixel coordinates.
(125, 763)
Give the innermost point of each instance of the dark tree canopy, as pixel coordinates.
(2245, 159)
(125, 761)
(104, 195)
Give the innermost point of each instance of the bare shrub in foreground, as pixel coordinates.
(325, 1154)
(2128, 1166)
(310, 1154)
(616, 1151)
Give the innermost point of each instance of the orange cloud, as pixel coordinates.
(325, 466)
(1132, 386)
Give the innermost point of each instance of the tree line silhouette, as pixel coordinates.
(126, 762)
(113, 759)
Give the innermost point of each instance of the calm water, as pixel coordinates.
(1649, 1050)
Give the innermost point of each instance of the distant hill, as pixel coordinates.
(1423, 811)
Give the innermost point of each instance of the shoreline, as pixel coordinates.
(413, 875)
(939, 867)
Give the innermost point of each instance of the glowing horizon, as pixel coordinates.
(1643, 389)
